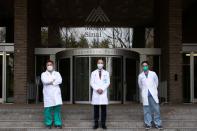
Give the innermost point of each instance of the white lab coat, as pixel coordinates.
(51, 92)
(150, 83)
(97, 83)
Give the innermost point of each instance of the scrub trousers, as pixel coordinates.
(49, 113)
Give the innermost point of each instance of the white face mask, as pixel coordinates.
(100, 66)
(50, 68)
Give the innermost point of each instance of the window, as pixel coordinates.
(44, 36)
(96, 37)
(149, 38)
(2, 34)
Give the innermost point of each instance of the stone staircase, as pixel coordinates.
(127, 117)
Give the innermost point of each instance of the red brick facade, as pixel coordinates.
(174, 50)
(26, 36)
(169, 38)
(20, 54)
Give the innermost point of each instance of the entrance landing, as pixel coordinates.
(176, 117)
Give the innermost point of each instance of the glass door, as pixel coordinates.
(190, 77)
(131, 75)
(40, 67)
(64, 67)
(81, 80)
(115, 91)
(186, 78)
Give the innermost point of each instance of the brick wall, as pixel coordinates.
(26, 36)
(169, 24)
(20, 54)
(175, 48)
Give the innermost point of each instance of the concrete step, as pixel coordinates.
(88, 124)
(110, 111)
(89, 129)
(89, 116)
(80, 117)
(121, 109)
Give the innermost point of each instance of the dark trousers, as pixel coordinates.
(97, 113)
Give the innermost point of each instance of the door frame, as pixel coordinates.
(192, 68)
(71, 78)
(190, 49)
(2, 99)
(124, 79)
(5, 48)
(191, 56)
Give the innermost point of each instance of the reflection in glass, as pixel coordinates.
(96, 37)
(10, 78)
(149, 37)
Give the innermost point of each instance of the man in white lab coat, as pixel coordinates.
(99, 82)
(51, 80)
(148, 84)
